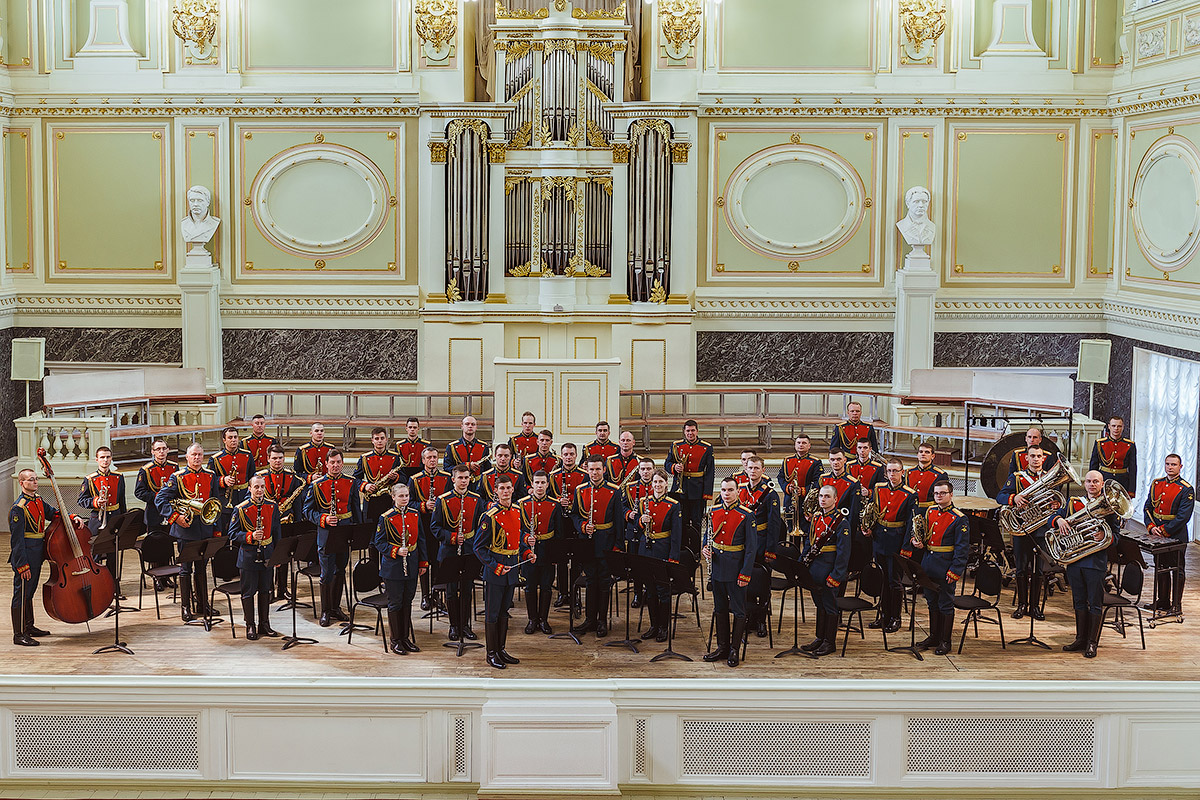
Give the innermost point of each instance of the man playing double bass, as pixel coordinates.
(28, 522)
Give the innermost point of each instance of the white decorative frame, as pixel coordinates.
(744, 230)
(296, 244)
(1171, 146)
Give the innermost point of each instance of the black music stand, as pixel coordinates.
(800, 578)
(199, 552)
(654, 571)
(917, 579)
(620, 564)
(564, 550)
(288, 553)
(347, 538)
(1031, 639)
(108, 540)
(463, 569)
(293, 530)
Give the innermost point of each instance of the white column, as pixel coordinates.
(916, 290)
(200, 287)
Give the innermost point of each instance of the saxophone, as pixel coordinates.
(285, 507)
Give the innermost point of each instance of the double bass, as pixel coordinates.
(78, 589)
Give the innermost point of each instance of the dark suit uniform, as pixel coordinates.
(409, 451)
(632, 495)
(329, 496)
(693, 486)
(500, 542)
(600, 503)
(28, 522)
(252, 560)
(485, 487)
(282, 489)
(829, 533)
(1170, 504)
(150, 479)
(763, 502)
(921, 481)
(663, 541)
(258, 447)
(1116, 460)
(947, 543)
(1086, 579)
(193, 485)
(395, 529)
(869, 472)
(239, 464)
(460, 451)
(892, 532)
(846, 436)
(456, 516)
(427, 487)
(1028, 566)
(544, 519)
(373, 467)
(734, 543)
(797, 475)
(564, 482)
(1020, 461)
(89, 494)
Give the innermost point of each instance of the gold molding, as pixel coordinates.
(24, 134)
(1093, 148)
(679, 21)
(503, 12)
(438, 152)
(825, 111)
(436, 24)
(617, 13)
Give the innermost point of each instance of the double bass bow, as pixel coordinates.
(78, 589)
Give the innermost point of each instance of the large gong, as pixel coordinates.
(993, 473)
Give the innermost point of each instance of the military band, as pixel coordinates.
(660, 535)
(283, 488)
(597, 517)
(924, 475)
(847, 434)
(180, 501)
(542, 459)
(411, 448)
(693, 469)
(1026, 562)
(502, 544)
(1115, 457)
(378, 471)
(485, 486)
(455, 519)
(103, 495)
(600, 446)
(565, 480)
(258, 443)
(28, 522)
(150, 479)
(759, 495)
(845, 486)
(233, 466)
(424, 489)
(254, 530)
(332, 500)
(946, 541)
(525, 442)
(1086, 575)
(467, 451)
(730, 552)
(624, 462)
(403, 560)
(1020, 458)
(542, 518)
(798, 474)
(895, 504)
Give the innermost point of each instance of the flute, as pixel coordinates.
(591, 506)
(461, 513)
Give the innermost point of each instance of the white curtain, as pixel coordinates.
(1166, 407)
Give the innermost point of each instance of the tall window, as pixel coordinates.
(1166, 413)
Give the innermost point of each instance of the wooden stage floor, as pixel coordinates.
(166, 647)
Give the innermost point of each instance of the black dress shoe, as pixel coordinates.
(877, 624)
(339, 615)
(825, 649)
(325, 621)
(720, 654)
(732, 660)
(425, 603)
(1019, 612)
(37, 632)
(560, 600)
(265, 630)
(251, 632)
(760, 632)
(813, 645)
(410, 646)
(585, 626)
(1037, 614)
(663, 633)
(892, 626)
(398, 648)
(545, 628)
(494, 660)
(25, 640)
(942, 649)
(531, 627)
(601, 628)
(649, 634)
(452, 634)
(506, 658)
(468, 634)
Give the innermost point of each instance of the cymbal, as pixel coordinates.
(993, 473)
(972, 503)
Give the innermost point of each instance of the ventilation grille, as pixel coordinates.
(77, 742)
(460, 748)
(777, 749)
(1001, 745)
(639, 747)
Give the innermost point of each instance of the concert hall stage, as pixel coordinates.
(196, 712)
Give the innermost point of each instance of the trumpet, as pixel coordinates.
(209, 510)
(103, 500)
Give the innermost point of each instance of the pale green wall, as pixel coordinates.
(797, 34)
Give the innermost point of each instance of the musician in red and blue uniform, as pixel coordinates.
(193, 483)
(542, 516)
(758, 495)
(897, 503)
(331, 501)
(28, 521)
(622, 464)
(1115, 457)
(598, 516)
(258, 443)
(866, 466)
(846, 486)
(455, 518)
(254, 530)
(565, 479)
(829, 535)
(501, 544)
(485, 487)
(283, 487)
(1086, 575)
(635, 487)
(1026, 563)
(524, 443)
(402, 560)
(381, 465)
(924, 475)
(947, 543)
(309, 461)
(1167, 512)
(107, 483)
(467, 450)
(411, 448)
(602, 445)
(734, 543)
(797, 475)
(150, 479)
(542, 459)
(424, 488)
(691, 462)
(1020, 458)
(847, 434)
(660, 531)
(233, 467)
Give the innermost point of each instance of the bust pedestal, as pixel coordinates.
(916, 290)
(200, 289)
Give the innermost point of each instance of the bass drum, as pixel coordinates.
(993, 473)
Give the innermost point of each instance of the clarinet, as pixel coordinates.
(649, 526)
(333, 511)
(533, 524)
(257, 536)
(404, 537)
(591, 506)
(461, 513)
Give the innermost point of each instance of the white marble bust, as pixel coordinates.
(198, 226)
(916, 228)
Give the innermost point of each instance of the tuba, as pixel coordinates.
(209, 510)
(1044, 499)
(1089, 532)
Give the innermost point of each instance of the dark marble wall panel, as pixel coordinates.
(780, 356)
(117, 345)
(12, 398)
(350, 355)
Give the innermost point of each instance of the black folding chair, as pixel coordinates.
(227, 579)
(156, 550)
(370, 593)
(871, 580)
(1127, 596)
(988, 583)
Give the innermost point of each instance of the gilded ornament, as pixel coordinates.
(923, 23)
(680, 21)
(564, 182)
(794, 266)
(513, 178)
(497, 152)
(453, 295)
(521, 137)
(616, 13)
(520, 13)
(620, 151)
(455, 128)
(602, 50)
(797, 139)
(657, 293)
(560, 5)
(679, 152)
(521, 270)
(195, 22)
(436, 25)
(595, 136)
(437, 152)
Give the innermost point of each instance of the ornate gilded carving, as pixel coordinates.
(456, 126)
(437, 152)
(657, 293)
(679, 152)
(436, 25)
(680, 21)
(522, 136)
(923, 23)
(195, 22)
(555, 45)
(453, 295)
(507, 13)
(602, 50)
(560, 5)
(513, 177)
(521, 270)
(497, 152)
(579, 13)
(620, 151)
(564, 182)
(604, 180)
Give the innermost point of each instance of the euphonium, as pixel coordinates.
(209, 510)
(1089, 532)
(869, 515)
(1044, 499)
